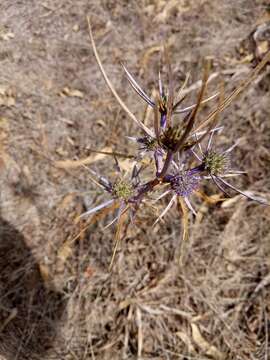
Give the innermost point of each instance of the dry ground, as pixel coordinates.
(58, 300)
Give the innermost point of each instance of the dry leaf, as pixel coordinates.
(71, 164)
(76, 28)
(44, 272)
(208, 349)
(211, 200)
(4, 123)
(230, 202)
(6, 96)
(246, 59)
(101, 123)
(262, 48)
(71, 92)
(60, 151)
(6, 35)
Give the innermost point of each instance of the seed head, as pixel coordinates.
(122, 189)
(215, 163)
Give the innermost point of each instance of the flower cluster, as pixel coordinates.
(184, 153)
(177, 150)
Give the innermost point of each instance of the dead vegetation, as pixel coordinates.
(58, 300)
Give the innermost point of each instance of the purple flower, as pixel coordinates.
(185, 183)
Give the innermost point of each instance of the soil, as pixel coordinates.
(57, 298)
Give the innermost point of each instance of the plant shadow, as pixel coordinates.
(29, 312)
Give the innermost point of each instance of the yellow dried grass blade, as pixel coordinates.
(111, 153)
(236, 92)
(171, 88)
(192, 117)
(117, 237)
(185, 233)
(211, 200)
(179, 94)
(111, 87)
(72, 164)
(100, 215)
(215, 117)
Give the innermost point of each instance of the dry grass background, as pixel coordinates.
(58, 300)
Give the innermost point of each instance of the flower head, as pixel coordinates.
(216, 163)
(185, 183)
(122, 189)
(217, 166)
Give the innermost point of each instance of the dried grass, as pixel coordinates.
(58, 300)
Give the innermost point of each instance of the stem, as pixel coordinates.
(160, 178)
(166, 165)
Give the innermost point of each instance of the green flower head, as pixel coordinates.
(122, 189)
(215, 163)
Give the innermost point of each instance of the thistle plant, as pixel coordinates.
(182, 149)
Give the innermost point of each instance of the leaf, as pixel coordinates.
(211, 200)
(230, 202)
